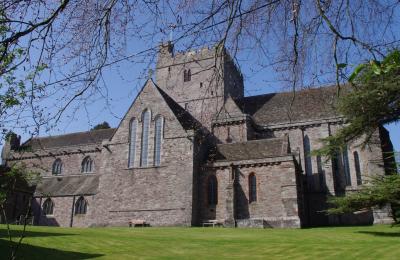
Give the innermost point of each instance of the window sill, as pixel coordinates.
(148, 167)
(48, 216)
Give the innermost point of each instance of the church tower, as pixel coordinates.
(200, 81)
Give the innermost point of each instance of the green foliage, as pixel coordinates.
(10, 135)
(14, 178)
(103, 125)
(371, 100)
(380, 191)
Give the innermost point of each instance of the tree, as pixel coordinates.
(303, 42)
(16, 179)
(103, 125)
(372, 99)
(380, 191)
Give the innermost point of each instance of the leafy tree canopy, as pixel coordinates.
(371, 99)
(381, 191)
(104, 125)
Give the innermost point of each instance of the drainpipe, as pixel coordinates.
(72, 211)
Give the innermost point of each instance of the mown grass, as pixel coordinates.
(368, 242)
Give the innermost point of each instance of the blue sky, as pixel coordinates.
(125, 79)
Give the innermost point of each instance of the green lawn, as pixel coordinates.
(370, 242)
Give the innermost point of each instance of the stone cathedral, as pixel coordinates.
(193, 149)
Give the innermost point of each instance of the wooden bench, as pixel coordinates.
(138, 222)
(213, 222)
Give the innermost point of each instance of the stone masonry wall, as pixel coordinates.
(212, 80)
(277, 200)
(63, 212)
(322, 180)
(42, 160)
(159, 195)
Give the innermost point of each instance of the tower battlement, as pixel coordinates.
(168, 56)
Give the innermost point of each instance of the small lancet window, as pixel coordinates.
(212, 190)
(57, 167)
(87, 165)
(252, 188)
(187, 75)
(158, 136)
(321, 173)
(132, 143)
(80, 206)
(48, 207)
(146, 116)
(307, 155)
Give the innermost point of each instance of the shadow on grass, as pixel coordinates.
(18, 233)
(380, 234)
(31, 252)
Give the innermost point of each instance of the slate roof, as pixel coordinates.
(254, 149)
(68, 185)
(273, 108)
(80, 138)
(185, 118)
(229, 111)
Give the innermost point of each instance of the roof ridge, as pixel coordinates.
(62, 135)
(291, 91)
(255, 141)
(186, 119)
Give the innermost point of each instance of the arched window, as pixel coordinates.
(57, 167)
(357, 166)
(187, 75)
(132, 142)
(212, 190)
(87, 165)
(252, 188)
(158, 136)
(321, 173)
(146, 116)
(80, 206)
(48, 207)
(308, 162)
(346, 166)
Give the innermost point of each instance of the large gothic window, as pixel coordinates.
(357, 166)
(252, 187)
(132, 143)
(158, 136)
(57, 167)
(146, 117)
(48, 207)
(80, 206)
(212, 190)
(87, 165)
